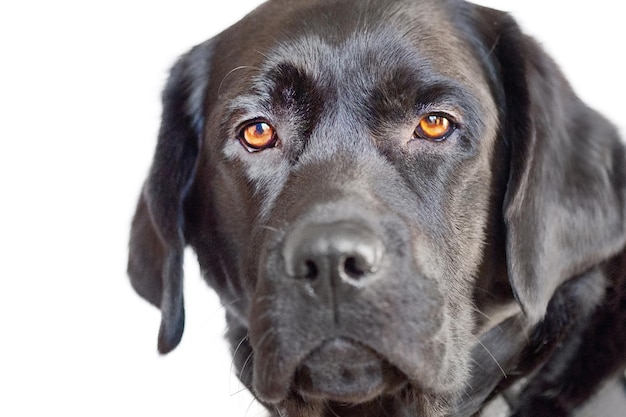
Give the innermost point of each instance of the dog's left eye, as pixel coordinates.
(258, 135)
(434, 127)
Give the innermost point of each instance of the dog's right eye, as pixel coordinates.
(434, 127)
(258, 135)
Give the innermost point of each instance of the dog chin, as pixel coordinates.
(346, 372)
(395, 397)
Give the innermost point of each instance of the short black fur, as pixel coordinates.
(491, 263)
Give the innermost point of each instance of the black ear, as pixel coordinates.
(564, 207)
(157, 243)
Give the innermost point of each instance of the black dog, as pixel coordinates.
(402, 204)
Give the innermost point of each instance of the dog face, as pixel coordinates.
(338, 238)
(354, 178)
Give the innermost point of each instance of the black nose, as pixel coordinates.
(335, 252)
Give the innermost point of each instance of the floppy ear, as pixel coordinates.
(157, 243)
(564, 207)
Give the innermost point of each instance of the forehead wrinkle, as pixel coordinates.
(388, 31)
(347, 70)
(366, 56)
(345, 73)
(352, 69)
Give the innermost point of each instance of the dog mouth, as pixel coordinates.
(346, 372)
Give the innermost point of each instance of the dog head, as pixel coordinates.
(354, 177)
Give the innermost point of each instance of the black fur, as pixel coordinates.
(490, 262)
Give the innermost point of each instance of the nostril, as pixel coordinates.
(353, 268)
(311, 270)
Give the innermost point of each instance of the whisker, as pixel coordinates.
(229, 303)
(251, 355)
(270, 228)
(265, 298)
(264, 55)
(239, 392)
(250, 405)
(243, 367)
(219, 89)
(492, 357)
(495, 45)
(381, 407)
(264, 315)
(265, 335)
(232, 363)
(485, 315)
(331, 410)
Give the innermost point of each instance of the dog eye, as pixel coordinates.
(434, 127)
(257, 136)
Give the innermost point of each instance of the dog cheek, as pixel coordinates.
(454, 288)
(460, 339)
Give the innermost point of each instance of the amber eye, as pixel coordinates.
(434, 127)
(257, 136)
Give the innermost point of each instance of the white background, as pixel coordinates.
(79, 112)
